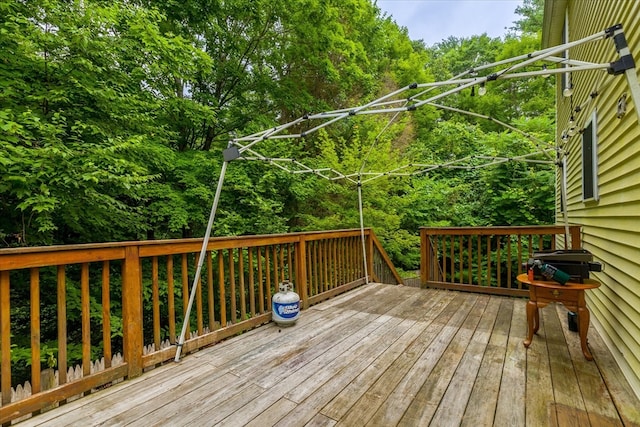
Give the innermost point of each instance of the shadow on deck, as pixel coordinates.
(379, 355)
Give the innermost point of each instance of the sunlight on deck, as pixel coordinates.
(380, 355)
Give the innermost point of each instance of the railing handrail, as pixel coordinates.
(489, 230)
(386, 258)
(23, 257)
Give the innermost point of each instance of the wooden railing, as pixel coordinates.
(485, 259)
(99, 313)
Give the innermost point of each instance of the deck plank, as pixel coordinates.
(483, 400)
(314, 398)
(597, 402)
(446, 323)
(309, 363)
(539, 385)
(426, 401)
(379, 355)
(626, 402)
(513, 384)
(461, 385)
(565, 383)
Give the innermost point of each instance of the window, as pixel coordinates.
(590, 160)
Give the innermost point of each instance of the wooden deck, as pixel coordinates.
(380, 355)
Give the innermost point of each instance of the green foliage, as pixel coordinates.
(114, 115)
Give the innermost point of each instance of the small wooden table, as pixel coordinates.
(571, 295)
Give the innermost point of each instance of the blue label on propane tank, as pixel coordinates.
(288, 310)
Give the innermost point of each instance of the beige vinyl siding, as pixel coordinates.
(611, 225)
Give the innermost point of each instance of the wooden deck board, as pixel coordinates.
(380, 356)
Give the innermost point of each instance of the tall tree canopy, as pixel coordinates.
(114, 115)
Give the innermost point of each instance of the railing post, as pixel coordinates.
(576, 242)
(5, 337)
(301, 271)
(425, 251)
(132, 311)
(369, 240)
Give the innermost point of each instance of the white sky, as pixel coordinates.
(436, 20)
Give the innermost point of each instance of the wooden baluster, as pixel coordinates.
(260, 281)
(86, 319)
(171, 300)
(343, 264)
(489, 260)
(509, 262)
(274, 265)
(232, 286)
(199, 308)
(339, 262)
(520, 254)
(62, 325)
(469, 259)
(318, 266)
(185, 287)
(155, 297)
(460, 259)
(290, 258)
(334, 262)
(210, 297)
(479, 248)
(452, 265)
(348, 261)
(499, 261)
(325, 265)
(252, 296)
(35, 329)
(106, 315)
(315, 268)
(241, 290)
(267, 267)
(357, 248)
(221, 289)
(282, 254)
(355, 259)
(444, 258)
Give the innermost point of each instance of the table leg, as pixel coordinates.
(533, 321)
(583, 327)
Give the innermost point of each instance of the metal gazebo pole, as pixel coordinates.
(203, 250)
(364, 246)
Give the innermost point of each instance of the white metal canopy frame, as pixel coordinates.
(243, 148)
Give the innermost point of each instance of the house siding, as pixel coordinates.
(610, 225)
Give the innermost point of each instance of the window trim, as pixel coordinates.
(593, 124)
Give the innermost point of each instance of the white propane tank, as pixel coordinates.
(285, 305)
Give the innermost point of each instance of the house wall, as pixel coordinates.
(611, 225)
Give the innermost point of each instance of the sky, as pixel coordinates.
(436, 20)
